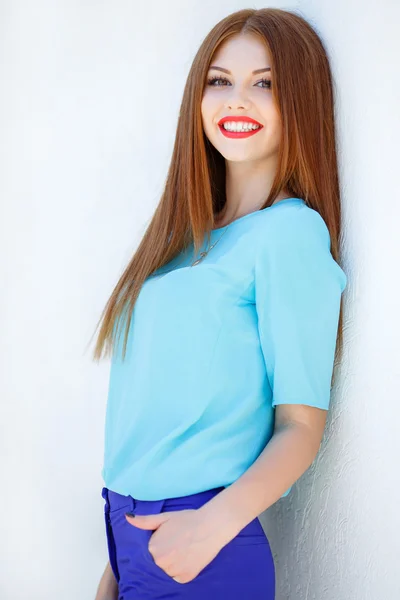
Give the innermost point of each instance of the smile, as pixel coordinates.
(236, 126)
(239, 133)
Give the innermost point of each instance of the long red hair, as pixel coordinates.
(195, 186)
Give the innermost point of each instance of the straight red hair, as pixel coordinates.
(195, 186)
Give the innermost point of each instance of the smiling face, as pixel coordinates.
(236, 91)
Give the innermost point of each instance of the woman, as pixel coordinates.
(217, 402)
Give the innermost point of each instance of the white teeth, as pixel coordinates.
(238, 126)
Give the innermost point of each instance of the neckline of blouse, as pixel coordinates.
(255, 212)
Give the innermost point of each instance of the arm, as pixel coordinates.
(298, 288)
(291, 450)
(108, 586)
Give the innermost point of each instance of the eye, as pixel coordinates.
(266, 81)
(214, 79)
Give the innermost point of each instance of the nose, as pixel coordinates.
(236, 101)
(237, 106)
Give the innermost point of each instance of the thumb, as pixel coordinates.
(147, 521)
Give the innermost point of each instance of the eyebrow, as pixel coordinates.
(229, 73)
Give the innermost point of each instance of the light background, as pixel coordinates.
(90, 93)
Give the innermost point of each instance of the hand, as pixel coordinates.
(179, 545)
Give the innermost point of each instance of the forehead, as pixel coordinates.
(242, 52)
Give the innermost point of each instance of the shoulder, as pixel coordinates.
(291, 226)
(294, 241)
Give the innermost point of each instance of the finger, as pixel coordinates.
(147, 521)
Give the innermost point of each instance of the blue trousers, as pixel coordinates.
(242, 570)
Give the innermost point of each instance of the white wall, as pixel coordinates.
(89, 103)
(337, 537)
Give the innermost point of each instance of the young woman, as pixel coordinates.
(231, 313)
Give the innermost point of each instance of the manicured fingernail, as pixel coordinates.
(130, 514)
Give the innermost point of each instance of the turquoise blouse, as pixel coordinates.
(214, 347)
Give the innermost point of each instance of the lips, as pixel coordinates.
(238, 134)
(239, 119)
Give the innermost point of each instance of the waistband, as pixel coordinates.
(115, 500)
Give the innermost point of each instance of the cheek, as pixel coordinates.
(209, 113)
(276, 129)
(211, 102)
(205, 106)
(272, 119)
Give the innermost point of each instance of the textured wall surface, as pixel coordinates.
(337, 537)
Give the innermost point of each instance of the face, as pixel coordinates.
(238, 92)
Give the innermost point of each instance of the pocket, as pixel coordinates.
(161, 506)
(155, 568)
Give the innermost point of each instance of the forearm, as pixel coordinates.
(108, 587)
(288, 454)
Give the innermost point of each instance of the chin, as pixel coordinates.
(236, 157)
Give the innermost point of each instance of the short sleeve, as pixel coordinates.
(298, 287)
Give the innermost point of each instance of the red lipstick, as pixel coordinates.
(238, 134)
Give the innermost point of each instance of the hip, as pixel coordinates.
(243, 568)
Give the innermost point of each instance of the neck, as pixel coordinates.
(247, 184)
